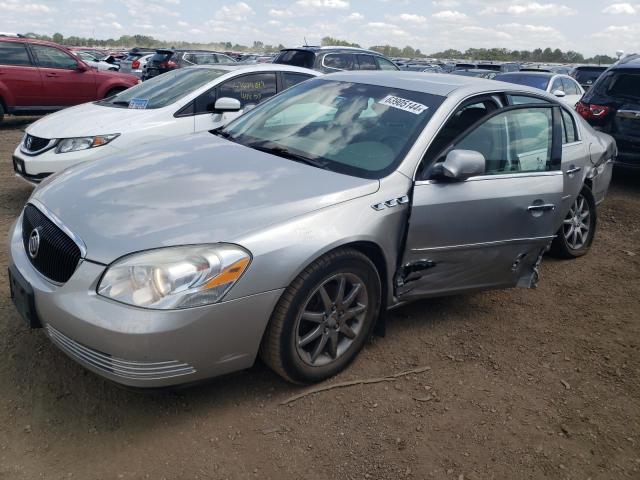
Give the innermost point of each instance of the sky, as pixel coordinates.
(589, 27)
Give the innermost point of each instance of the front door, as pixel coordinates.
(488, 231)
(64, 84)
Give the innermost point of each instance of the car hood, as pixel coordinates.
(197, 189)
(91, 119)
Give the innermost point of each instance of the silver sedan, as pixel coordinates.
(289, 233)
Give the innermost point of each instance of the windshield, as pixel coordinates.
(535, 81)
(352, 128)
(164, 89)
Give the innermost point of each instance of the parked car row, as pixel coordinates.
(285, 233)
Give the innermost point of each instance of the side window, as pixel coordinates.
(464, 118)
(384, 64)
(338, 61)
(204, 103)
(249, 89)
(557, 85)
(51, 57)
(570, 133)
(206, 58)
(367, 62)
(289, 79)
(189, 58)
(525, 99)
(514, 141)
(14, 53)
(224, 58)
(570, 87)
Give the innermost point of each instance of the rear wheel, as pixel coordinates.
(323, 318)
(578, 228)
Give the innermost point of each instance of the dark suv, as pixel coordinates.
(334, 59)
(38, 77)
(612, 105)
(165, 60)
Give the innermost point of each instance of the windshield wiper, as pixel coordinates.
(120, 103)
(221, 133)
(288, 154)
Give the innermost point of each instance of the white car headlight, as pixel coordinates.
(83, 143)
(175, 277)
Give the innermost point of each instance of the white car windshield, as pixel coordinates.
(164, 89)
(353, 128)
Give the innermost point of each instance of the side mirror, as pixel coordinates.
(462, 164)
(227, 104)
(559, 93)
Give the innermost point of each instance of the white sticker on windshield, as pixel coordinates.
(138, 103)
(403, 104)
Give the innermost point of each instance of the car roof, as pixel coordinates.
(333, 48)
(441, 84)
(532, 74)
(257, 67)
(630, 61)
(33, 41)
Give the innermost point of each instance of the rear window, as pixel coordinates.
(165, 89)
(622, 84)
(297, 58)
(587, 76)
(495, 68)
(535, 81)
(161, 56)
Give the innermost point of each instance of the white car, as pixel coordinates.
(135, 64)
(180, 102)
(94, 62)
(562, 86)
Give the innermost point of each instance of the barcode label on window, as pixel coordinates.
(403, 104)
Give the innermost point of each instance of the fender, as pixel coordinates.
(6, 98)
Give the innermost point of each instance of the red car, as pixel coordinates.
(38, 77)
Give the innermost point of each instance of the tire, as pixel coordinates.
(568, 243)
(293, 346)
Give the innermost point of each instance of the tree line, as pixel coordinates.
(496, 54)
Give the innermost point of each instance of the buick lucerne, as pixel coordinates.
(290, 231)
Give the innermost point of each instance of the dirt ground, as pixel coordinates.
(522, 384)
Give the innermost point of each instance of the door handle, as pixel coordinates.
(545, 207)
(51, 75)
(573, 170)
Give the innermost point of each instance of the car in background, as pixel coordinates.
(476, 72)
(501, 67)
(586, 75)
(334, 59)
(562, 86)
(96, 63)
(135, 61)
(180, 102)
(291, 231)
(612, 105)
(165, 60)
(38, 77)
(559, 69)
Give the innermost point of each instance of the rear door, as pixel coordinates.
(19, 76)
(250, 90)
(64, 84)
(490, 230)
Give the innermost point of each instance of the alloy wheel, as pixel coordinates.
(577, 224)
(331, 319)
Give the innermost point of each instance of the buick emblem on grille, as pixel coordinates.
(28, 143)
(34, 243)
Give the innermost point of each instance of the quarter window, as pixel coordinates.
(51, 57)
(13, 53)
(249, 89)
(557, 85)
(570, 87)
(514, 141)
(525, 99)
(339, 61)
(570, 134)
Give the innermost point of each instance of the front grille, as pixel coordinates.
(35, 144)
(130, 369)
(57, 256)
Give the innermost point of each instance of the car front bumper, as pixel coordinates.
(139, 347)
(35, 168)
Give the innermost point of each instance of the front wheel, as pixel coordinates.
(578, 228)
(323, 318)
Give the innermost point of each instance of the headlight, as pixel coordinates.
(175, 277)
(83, 143)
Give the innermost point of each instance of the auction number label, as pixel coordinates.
(138, 103)
(403, 104)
